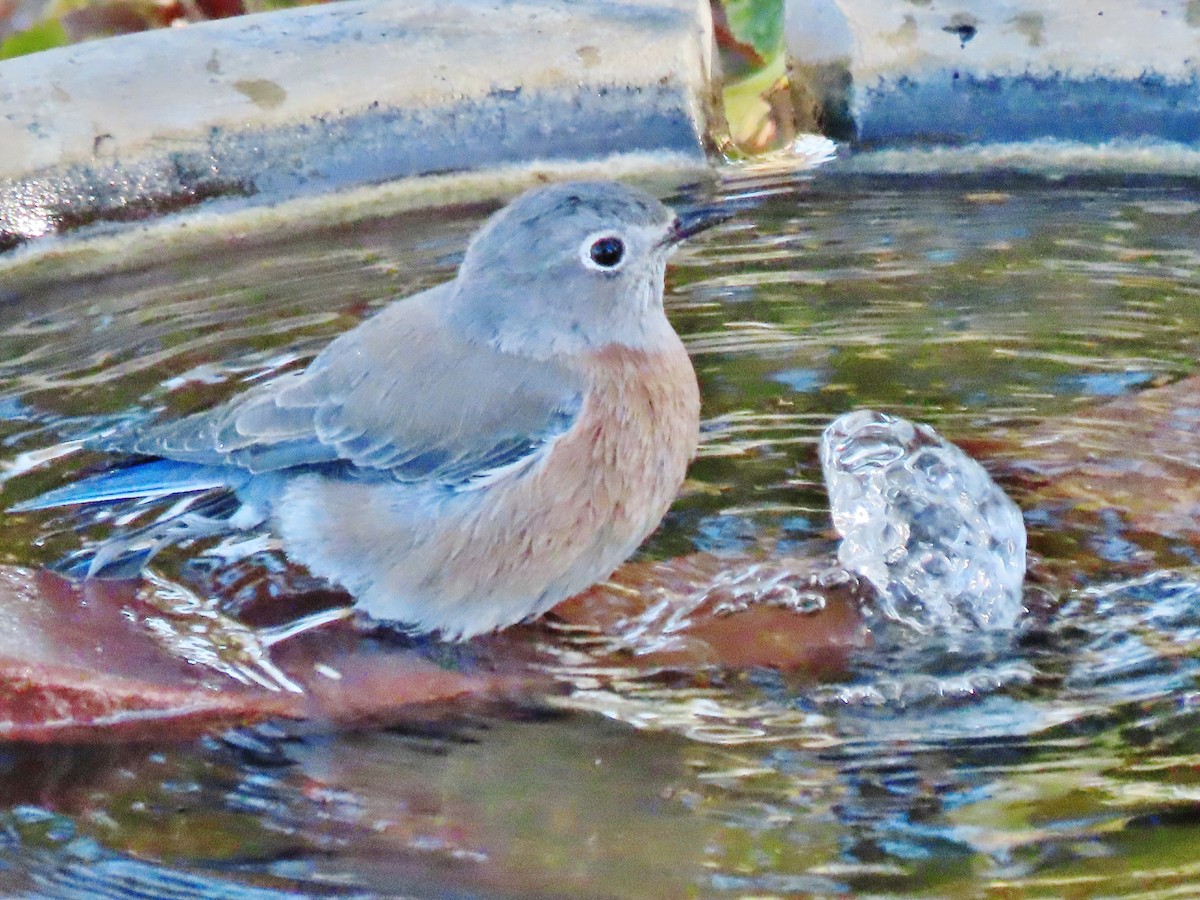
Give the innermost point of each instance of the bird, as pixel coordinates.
(471, 455)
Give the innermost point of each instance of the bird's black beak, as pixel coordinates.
(696, 219)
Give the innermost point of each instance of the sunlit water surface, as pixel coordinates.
(1059, 762)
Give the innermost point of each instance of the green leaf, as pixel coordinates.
(758, 23)
(42, 36)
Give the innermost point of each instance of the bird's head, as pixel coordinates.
(572, 267)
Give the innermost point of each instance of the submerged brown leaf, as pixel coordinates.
(78, 662)
(73, 667)
(1138, 455)
(108, 660)
(791, 613)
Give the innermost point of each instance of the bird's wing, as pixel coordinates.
(401, 396)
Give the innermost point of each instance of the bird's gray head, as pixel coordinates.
(570, 267)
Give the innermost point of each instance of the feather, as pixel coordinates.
(160, 478)
(404, 396)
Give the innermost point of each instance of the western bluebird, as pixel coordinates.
(471, 455)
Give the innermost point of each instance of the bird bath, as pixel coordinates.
(1048, 328)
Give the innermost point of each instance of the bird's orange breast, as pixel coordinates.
(624, 460)
(578, 513)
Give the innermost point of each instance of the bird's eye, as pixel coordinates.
(607, 252)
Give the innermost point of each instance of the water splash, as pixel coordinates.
(190, 627)
(924, 523)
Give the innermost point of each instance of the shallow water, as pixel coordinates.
(1057, 762)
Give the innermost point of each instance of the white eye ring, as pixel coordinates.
(604, 251)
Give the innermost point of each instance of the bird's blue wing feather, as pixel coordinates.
(403, 396)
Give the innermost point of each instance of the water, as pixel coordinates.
(1057, 760)
(941, 543)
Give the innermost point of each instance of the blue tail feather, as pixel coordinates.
(159, 478)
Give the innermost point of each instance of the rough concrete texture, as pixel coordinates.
(299, 102)
(931, 73)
